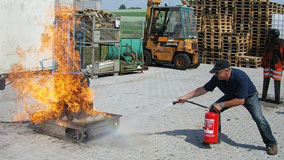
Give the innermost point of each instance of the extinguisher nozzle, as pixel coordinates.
(175, 102)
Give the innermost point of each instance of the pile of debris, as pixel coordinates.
(97, 13)
(97, 26)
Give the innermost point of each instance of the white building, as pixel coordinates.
(278, 23)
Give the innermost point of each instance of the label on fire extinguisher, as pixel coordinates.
(209, 127)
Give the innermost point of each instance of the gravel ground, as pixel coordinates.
(150, 126)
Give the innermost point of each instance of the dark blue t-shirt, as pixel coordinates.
(238, 86)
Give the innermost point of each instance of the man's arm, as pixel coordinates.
(227, 104)
(195, 93)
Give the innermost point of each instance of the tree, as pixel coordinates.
(122, 7)
(134, 8)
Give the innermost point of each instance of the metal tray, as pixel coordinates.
(79, 130)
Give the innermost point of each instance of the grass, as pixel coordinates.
(131, 29)
(130, 14)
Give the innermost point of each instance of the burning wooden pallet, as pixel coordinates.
(81, 129)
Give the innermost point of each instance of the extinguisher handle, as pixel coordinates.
(175, 102)
(200, 105)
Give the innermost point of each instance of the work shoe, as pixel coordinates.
(206, 144)
(218, 142)
(272, 150)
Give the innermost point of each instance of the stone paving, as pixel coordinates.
(150, 127)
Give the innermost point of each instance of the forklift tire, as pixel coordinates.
(181, 61)
(197, 64)
(147, 58)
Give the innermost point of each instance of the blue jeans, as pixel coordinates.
(254, 108)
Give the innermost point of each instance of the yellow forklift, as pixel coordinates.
(170, 36)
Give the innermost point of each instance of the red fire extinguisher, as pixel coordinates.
(211, 125)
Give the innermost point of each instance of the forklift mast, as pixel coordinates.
(150, 5)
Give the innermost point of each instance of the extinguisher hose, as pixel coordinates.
(200, 105)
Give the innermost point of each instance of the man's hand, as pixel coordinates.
(195, 93)
(181, 99)
(217, 107)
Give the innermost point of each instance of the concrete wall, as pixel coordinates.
(22, 25)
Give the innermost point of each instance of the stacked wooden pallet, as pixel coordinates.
(242, 16)
(234, 45)
(213, 27)
(198, 11)
(217, 23)
(233, 28)
(227, 7)
(210, 7)
(259, 27)
(200, 42)
(210, 56)
(235, 42)
(249, 61)
(231, 57)
(262, 12)
(276, 8)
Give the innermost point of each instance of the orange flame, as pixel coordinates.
(45, 96)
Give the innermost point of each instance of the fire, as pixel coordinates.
(61, 94)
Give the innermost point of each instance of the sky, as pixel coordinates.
(114, 4)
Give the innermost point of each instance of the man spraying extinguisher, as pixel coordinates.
(272, 62)
(238, 90)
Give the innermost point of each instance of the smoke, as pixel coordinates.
(134, 129)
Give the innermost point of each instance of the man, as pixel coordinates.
(272, 62)
(178, 31)
(238, 90)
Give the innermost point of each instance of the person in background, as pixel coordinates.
(272, 62)
(238, 90)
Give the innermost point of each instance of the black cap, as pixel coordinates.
(219, 65)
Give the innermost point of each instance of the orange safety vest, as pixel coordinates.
(270, 69)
